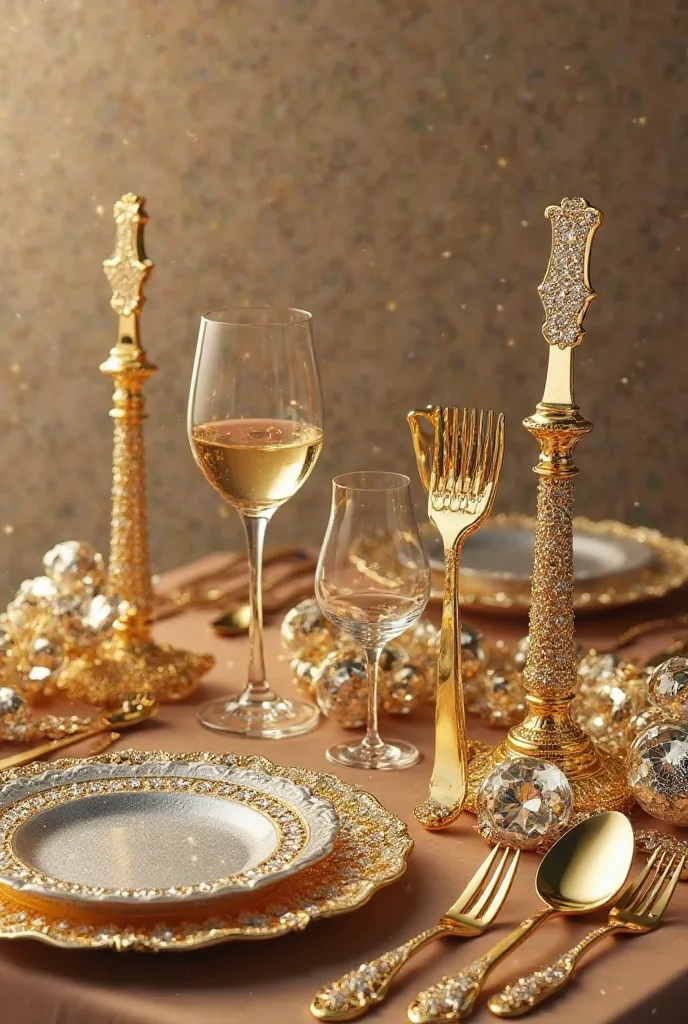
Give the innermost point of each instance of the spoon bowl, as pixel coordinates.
(131, 711)
(588, 866)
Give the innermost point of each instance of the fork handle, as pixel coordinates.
(527, 993)
(449, 782)
(454, 998)
(355, 993)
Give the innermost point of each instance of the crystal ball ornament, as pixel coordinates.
(341, 688)
(658, 771)
(524, 802)
(305, 630)
(73, 564)
(668, 688)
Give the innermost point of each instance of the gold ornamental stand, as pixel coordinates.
(129, 660)
(548, 730)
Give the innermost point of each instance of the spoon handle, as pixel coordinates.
(27, 756)
(454, 998)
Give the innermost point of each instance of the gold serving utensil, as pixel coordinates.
(584, 870)
(200, 593)
(356, 992)
(637, 910)
(461, 482)
(131, 712)
(297, 584)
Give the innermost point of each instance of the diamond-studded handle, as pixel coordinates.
(454, 998)
(527, 993)
(354, 993)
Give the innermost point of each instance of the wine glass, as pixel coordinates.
(256, 429)
(373, 582)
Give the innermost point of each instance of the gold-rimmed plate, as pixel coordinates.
(155, 836)
(614, 564)
(371, 851)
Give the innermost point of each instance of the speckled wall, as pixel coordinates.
(384, 163)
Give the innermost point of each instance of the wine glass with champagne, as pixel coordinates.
(372, 582)
(255, 426)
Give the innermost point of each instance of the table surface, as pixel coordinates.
(626, 979)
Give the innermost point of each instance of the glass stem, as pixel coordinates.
(257, 689)
(372, 739)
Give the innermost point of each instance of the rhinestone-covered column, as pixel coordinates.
(548, 731)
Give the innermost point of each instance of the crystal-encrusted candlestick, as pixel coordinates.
(129, 659)
(548, 731)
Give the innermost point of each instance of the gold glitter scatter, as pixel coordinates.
(100, 210)
(624, 380)
(524, 223)
(500, 308)
(640, 121)
(8, 529)
(15, 368)
(391, 306)
(502, 162)
(447, 254)
(511, 342)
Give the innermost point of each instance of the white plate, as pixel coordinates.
(158, 835)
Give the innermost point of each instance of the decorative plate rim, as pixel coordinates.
(291, 808)
(668, 571)
(375, 838)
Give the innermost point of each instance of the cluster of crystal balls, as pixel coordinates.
(50, 620)
(331, 669)
(658, 758)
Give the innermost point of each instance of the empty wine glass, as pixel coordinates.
(373, 582)
(256, 430)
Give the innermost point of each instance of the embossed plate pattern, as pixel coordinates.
(371, 851)
(161, 833)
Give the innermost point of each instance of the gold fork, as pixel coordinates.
(462, 484)
(355, 993)
(637, 910)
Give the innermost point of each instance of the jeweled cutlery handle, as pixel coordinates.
(356, 992)
(454, 998)
(527, 993)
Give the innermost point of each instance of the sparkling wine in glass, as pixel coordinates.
(256, 430)
(373, 582)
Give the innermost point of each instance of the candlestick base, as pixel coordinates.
(119, 668)
(602, 786)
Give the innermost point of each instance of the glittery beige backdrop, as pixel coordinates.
(384, 163)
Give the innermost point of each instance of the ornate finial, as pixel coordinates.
(565, 291)
(127, 269)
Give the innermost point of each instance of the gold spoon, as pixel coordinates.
(584, 870)
(237, 621)
(131, 712)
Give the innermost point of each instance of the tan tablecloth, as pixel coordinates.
(629, 980)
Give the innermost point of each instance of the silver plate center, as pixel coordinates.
(145, 840)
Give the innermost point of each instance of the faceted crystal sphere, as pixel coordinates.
(473, 652)
(304, 673)
(99, 613)
(11, 702)
(341, 687)
(504, 698)
(75, 565)
(668, 687)
(305, 631)
(521, 652)
(658, 771)
(523, 800)
(45, 658)
(403, 689)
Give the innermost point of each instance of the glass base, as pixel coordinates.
(386, 757)
(267, 719)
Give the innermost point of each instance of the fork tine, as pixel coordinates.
(476, 881)
(633, 892)
(463, 446)
(486, 455)
(475, 909)
(502, 893)
(654, 890)
(498, 455)
(455, 443)
(477, 450)
(436, 441)
(658, 908)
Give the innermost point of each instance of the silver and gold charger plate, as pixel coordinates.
(371, 851)
(156, 835)
(614, 564)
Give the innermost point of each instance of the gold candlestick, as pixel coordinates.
(548, 731)
(129, 659)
